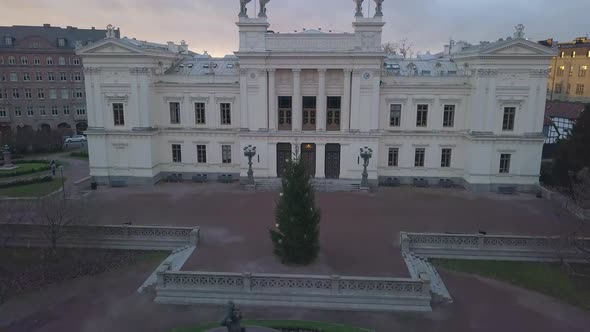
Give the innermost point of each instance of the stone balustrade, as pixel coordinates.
(493, 247)
(108, 236)
(309, 291)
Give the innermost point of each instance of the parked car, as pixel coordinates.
(76, 139)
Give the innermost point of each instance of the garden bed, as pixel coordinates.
(27, 269)
(39, 189)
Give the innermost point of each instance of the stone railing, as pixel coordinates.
(324, 42)
(309, 291)
(493, 247)
(95, 236)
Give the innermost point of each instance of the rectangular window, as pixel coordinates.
(508, 119)
(582, 71)
(62, 61)
(201, 153)
(31, 111)
(176, 153)
(15, 94)
(422, 115)
(36, 60)
(11, 60)
(65, 93)
(28, 94)
(309, 113)
(571, 70)
(51, 77)
(225, 113)
(505, 163)
(118, 115)
(560, 71)
(54, 111)
(445, 158)
(61, 42)
(226, 154)
(26, 77)
(419, 157)
(77, 76)
(8, 41)
(333, 114)
(13, 77)
(199, 113)
(76, 61)
(579, 89)
(392, 157)
(175, 113)
(2, 112)
(66, 110)
(38, 76)
(449, 116)
(81, 110)
(395, 115)
(42, 111)
(78, 93)
(49, 60)
(52, 94)
(285, 109)
(558, 87)
(40, 93)
(17, 111)
(63, 76)
(24, 60)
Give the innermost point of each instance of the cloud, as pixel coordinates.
(210, 24)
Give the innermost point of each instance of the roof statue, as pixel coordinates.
(243, 9)
(359, 8)
(519, 33)
(378, 8)
(262, 12)
(111, 31)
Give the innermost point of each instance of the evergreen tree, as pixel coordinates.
(574, 151)
(296, 236)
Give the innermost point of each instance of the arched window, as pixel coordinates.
(49, 60)
(11, 60)
(24, 60)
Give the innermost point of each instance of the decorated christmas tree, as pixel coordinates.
(296, 235)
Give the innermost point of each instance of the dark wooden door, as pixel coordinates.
(308, 157)
(283, 154)
(332, 161)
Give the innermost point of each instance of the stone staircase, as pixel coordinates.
(324, 185)
(417, 265)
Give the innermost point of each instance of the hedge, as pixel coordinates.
(31, 171)
(26, 182)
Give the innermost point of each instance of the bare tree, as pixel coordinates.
(12, 214)
(55, 215)
(389, 48)
(403, 47)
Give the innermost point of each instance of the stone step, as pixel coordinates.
(417, 265)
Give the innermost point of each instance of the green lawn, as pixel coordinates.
(285, 324)
(25, 167)
(32, 190)
(547, 278)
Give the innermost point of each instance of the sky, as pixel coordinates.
(209, 24)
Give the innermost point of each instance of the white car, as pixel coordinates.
(76, 139)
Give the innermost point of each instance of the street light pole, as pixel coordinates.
(63, 184)
(366, 153)
(249, 152)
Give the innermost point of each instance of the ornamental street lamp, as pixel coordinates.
(249, 152)
(366, 154)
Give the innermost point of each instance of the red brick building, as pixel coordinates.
(41, 78)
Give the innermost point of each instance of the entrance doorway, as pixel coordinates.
(308, 158)
(332, 163)
(283, 155)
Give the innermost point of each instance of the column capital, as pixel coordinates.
(322, 70)
(271, 70)
(357, 71)
(296, 70)
(347, 70)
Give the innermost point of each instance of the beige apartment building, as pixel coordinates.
(569, 79)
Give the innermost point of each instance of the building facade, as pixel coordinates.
(569, 79)
(475, 116)
(41, 78)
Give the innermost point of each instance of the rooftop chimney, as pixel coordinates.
(47, 25)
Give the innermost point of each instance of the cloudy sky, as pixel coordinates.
(209, 24)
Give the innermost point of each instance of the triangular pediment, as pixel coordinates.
(517, 47)
(110, 46)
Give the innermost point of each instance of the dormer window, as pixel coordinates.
(206, 65)
(190, 65)
(230, 65)
(35, 44)
(61, 42)
(8, 41)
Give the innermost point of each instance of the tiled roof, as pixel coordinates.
(563, 109)
(52, 34)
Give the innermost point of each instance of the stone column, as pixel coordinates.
(272, 160)
(345, 104)
(297, 116)
(243, 101)
(320, 163)
(272, 101)
(321, 102)
(355, 94)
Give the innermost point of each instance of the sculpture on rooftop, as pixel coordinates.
(359, 8)
(378, 8)
(111, 31)
(519, 33)
(243, 9)
(262, 12)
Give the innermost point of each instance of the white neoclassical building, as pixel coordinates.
(473, 114)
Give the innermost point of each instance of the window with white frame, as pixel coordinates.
(80, 110)
(445, 157)
(40, 93)
(284, 112)
(174, 112)
(78, 93)
(77, 76)
(28, 94)
(118, 115)
(51, 77)
(199, 113)
(66, 110)
(419, 157)
(11, 60)
(508, 118)
(35, 44)
(8, 41)
(392, 157)
(65, 93)
(13, 77)
(17, 111)
(63, 76)
(49, 60)
(422, 115)
(42, 111)
(54, 111)
(504, 163)
(24, 60)
(225, 109)
(76, 61)
(26, 77)
(201, 153)
(176, 153)
(38, 76)
(579, 89)
(61, 61)
(52, 94)
(15, 93)
(226, 154)
(31, 111)
(61, 42)
(3, 113)
(582, 71)
(449, 116)
(36, 60)
(395, 115)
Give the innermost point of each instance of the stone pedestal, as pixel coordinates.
(7, 156)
